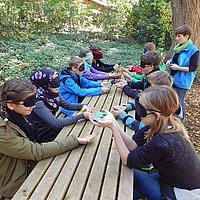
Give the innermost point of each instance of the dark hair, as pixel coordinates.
(184, 30)
(84, 52)
(152, 58)
(75, 61)
(95, 48)
(12, 91)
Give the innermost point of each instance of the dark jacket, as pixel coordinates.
(175, 159)
(100, 66)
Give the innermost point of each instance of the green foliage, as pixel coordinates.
(152, 21)
(19, 59)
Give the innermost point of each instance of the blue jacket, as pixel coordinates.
(185, 79)
(74, 88)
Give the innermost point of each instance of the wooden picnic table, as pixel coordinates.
(90, 172)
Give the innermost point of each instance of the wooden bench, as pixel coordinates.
(90, 172)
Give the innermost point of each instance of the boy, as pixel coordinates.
(91, 73)
(152, 61)
(74, 87)
(155, 78)
(98, 64)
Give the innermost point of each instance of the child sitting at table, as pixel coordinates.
(91, 73)
(152, 61)
(165, 144)
(74, 87)
(135, 73)
(155, 78)
(48, 102)
(17, 151)
(98, 64)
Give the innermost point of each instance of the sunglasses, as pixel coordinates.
(28, 102)
(81, 68)
(55, 83)
(141, 111)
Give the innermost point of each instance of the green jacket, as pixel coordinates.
(15, 152)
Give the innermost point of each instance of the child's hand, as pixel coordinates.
(121, 84)
(114, 75)
(108, 120)
(105, 90)
(105, 83)
(86, 115)
(86, 139)
(117, 110)
(127, 76)
(116, 67)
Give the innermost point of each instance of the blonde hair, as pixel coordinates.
(160, 78)
(75, 61)
(165, 100)
(150, 46)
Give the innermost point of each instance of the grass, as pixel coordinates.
(19, 59)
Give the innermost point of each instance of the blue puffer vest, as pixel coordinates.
(185, 79)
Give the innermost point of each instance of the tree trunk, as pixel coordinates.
(186, 12)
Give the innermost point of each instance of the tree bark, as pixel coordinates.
(186, 12)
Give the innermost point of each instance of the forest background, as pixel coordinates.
(45, 33)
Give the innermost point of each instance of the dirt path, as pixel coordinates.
(193, 114)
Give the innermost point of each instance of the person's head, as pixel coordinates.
(159, 78)
(87, 55)
(151, 61)
(76, 65)
(17, 95)
(96, 51)
(156, 107)
(183, 34)
(149, 46)
(46, 79)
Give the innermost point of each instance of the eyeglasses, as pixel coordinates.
(28, 102)
(141, 110)
(55, 83)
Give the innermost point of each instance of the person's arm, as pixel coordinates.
(45, 115)
(149, 153)
(103, 67)
(93, 76)
(131, 92)
(129, 121)
(124, 142)
(91, 88)
(136, 85)
(20, 147)
(193, 64)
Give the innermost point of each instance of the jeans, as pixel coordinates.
(146, 185)
(181, 94)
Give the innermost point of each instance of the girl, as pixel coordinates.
(165, 143)
(48, 102)
(91, 73)
(16, 150)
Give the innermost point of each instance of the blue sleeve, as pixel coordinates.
(89, 83)
(74, 88)
(147, 154)
(129, 121)
(45, 115)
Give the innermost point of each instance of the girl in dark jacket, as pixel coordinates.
(47, 104)
(165, 144)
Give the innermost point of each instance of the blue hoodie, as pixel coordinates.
(74, 88)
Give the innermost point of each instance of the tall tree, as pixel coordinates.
(186, 12)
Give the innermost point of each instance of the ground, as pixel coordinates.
(193, 115)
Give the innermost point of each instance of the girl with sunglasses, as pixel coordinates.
(17, 151)
(165, 144)
(47, 104)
